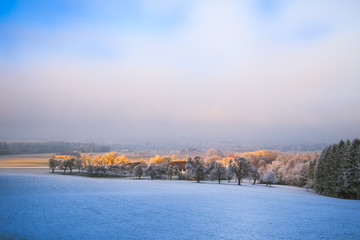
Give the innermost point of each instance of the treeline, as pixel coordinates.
(338, 170)
(237, 167)
(7, 148)
(168, 167)
(266, 166)
(295, 169)
(113, 164)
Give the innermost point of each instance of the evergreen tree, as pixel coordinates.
(339, 156)
(310, 177)
(352, 170)
(320, 174)
(342, 156)
(337, 171)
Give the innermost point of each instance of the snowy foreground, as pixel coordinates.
(35, 204)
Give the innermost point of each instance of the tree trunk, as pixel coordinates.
(64, 170)
(239, 180)
(53, 170)
(198, 180)
(219, 180)
(254, 181)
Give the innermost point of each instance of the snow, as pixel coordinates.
(36, 204)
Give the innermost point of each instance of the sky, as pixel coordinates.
(176, 70)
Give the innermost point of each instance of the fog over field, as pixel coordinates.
(35, 204)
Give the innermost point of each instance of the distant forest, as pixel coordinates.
(8, 148)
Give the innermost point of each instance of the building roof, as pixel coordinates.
(180, 164)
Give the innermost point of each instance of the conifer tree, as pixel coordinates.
(352, 173)
(337, 171)
(319, 173)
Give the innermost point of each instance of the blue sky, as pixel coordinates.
(242, 70)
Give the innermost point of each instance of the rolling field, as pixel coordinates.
(36, 204)
(25, 160)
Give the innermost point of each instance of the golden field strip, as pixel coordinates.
(39, 160)
(25, 160)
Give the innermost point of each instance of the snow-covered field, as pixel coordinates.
(35, 204)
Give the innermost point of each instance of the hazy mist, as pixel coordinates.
(180, 70)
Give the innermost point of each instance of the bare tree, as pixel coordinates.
(172, 171)
(150, 171)
(196, 168)
(78, 164)
(71, 164)
(64, 165)
(254, 174)
(139, 171)
(53, 163)
(229, 174)
(218, 171)
(240, 167)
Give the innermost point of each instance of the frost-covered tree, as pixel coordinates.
(78, 164)
(292, 168)
(160, 160)
(269, 178)
(240, 167)
(172, 171)
(108, 158)
(255, 175)
(218, 171)
(151, 171)
(117, 170)
(64, 164)
(53, 163)
(121, 160)
(129, 169)
(196, 168)
(138, 171)
(71, 164)
(88, 163)
(229, 174)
